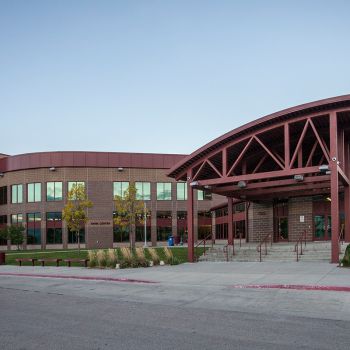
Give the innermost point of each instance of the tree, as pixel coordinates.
(129, 211)
(75, 211)
(15, 233)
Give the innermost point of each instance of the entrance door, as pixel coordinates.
(281, 229)
(320, 227)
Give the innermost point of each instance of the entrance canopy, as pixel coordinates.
(300, 151)
(281, 155)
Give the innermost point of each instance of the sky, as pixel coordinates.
(160, 76)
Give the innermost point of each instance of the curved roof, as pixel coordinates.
(271, 119)
(88, 159)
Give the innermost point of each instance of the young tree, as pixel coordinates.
(15, 233)
(75, 211)
(129, 211)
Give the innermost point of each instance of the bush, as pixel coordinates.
(141, 258)
(92, 258)
(112, 258)
(346, 259)
(101, 258)
(154, 256)
(169, 257)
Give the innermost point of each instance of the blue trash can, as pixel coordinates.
(170, 241)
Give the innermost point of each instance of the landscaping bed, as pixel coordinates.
(179, 254)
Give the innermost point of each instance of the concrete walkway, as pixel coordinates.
(208, 274)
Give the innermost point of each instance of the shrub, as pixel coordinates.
(168, 256)
(112, 258)
(141, 258)
(101, 258)
(154, 256)
(127, 258)
(346, 259)
(92, 258)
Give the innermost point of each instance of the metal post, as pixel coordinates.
(333, 133)
(190, 228)
(145, 227)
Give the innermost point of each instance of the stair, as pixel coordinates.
(282, 252)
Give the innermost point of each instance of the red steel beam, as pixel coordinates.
(286, 146)
(239, 158)
(347, 195)
(333, 136)
(229, 221)
(300, 141)
(319, 139)
(259, 176)
(269, 152)
(190, 219)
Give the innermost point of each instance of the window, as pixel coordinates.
(143, 191)
(119, 188)
(3, 195)
(34, 192)
(17, 219)
(164, 225)
(54, 191)
(33, 228)
(164, 191)
(17, 194)
(71, 184)
(73, 237)
(203, 195)
(181, 191)
(140, 234)
(3, 222)
(54, 228)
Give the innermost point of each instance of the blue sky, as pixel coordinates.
(160, 76)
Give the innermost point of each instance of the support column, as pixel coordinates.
(346, 195)
(229, 221)
(333, 133)
(190, 226)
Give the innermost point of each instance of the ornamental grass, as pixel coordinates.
(141, 258)
(154, 256)
(101, 258)
(112, 258)
(92, 258)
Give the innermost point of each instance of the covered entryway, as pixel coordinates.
(292, 155)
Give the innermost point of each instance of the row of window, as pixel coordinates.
(54, 191)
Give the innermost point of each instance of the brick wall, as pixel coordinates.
(260, 220)
(300, 209)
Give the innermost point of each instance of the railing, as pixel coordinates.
(299, 243)
(341, 235)
(263, 241)
(204, 242)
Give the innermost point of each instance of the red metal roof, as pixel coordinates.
(88, 159)
(286, 114)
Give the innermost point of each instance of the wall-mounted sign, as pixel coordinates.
(100, 223)
(302, 218)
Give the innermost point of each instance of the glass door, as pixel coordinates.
(320, 227)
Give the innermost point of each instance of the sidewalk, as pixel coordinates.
(205, 274)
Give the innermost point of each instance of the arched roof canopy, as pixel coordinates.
(278, 155)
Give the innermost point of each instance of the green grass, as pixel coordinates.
(179, 252)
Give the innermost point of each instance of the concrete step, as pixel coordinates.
(314, 251)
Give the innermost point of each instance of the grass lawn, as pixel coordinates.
(179, 252)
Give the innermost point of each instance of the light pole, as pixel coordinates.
(145, 245)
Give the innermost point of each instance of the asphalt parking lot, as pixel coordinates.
(190, 306)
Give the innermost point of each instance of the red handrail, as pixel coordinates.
(262, 241)
(203, 241)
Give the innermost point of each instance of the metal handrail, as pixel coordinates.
(341, 235)
(300, 240)
(203, 241)
(225, 250)
(262, 241)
